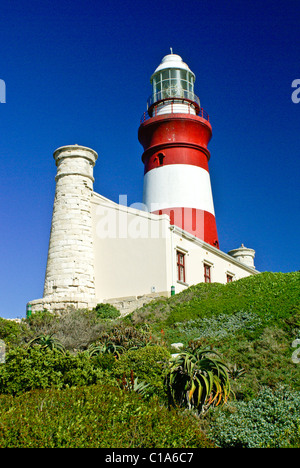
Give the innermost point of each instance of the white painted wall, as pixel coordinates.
(197, 253)
(130, 248)
(135, 253)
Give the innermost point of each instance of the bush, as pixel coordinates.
(107, 311)
(11, 332)
(32, 368)
(78, 328)
(92, 417)
(42, 321)
(270, 420)
(126, 337)
(148, 364)
(75, 329)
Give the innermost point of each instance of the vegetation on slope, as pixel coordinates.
(271, 296)
(119, 370)
(94, 416)
(251, 322)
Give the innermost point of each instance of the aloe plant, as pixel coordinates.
(104, 348)
(47, 341)
(133, 385)
(198, 380)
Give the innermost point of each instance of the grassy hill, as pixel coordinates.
(251, 323)
(269, 295)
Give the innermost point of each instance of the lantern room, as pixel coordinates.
(173, 81)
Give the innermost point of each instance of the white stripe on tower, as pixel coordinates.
(178, 185)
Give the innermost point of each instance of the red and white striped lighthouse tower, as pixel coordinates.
(175, 132)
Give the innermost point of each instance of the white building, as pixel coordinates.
(101, 251)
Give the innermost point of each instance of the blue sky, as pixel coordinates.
(78, 72)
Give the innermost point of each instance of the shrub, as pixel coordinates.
(11, 332)
(104, 361)
(266, 359)
(42, 321)
(127, 337)
(32, 368)
(107, 311)
(272, 419)
(92, 417)
(148, 364)
(75, 329)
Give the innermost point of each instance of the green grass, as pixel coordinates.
(269, 295)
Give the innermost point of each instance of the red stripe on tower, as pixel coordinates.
(175, 133)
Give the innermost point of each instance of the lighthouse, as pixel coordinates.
(174, 132)
(104, 252)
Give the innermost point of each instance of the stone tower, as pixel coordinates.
(70, 276)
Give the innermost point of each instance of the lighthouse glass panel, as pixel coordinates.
(173, 83)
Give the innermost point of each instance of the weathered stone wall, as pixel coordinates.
(60, 304)
(70, 265)
(125, 305)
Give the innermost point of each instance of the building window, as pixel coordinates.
(207, 273)
(229, 278)
(180, 266)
